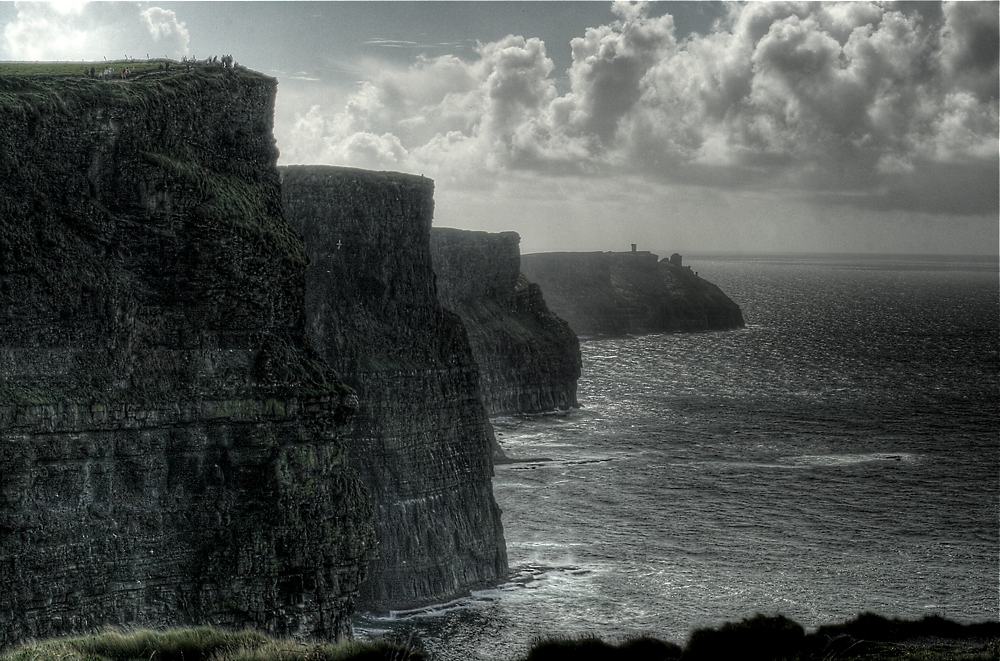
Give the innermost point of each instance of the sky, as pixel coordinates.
(679, 126)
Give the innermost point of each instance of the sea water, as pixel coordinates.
(840, 454)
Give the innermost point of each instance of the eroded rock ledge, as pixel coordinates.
(618, 293)
(421, 436)
(170, 442)
(528, 358)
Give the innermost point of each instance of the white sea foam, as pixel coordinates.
(846, 459)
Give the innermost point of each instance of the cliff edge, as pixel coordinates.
(529, 359)
(170, 442)
(421, 438)
(619, 293)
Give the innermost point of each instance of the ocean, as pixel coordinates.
(840, 454)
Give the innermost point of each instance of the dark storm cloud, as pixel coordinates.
(934, 188)
(971, 49)
(865, 103)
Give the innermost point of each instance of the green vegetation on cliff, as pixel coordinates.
(202, 644)
(144, 255)
(49, 70)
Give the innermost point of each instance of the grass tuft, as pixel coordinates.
(203, 644)
(759, 638)
(868, 637)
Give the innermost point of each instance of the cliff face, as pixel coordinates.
(529, 359)
(421, 437)
(607, 293)
(170, 443)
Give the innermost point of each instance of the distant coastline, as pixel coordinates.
(882, 261)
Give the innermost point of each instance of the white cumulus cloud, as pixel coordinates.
(169, 33)
(91, 31)
(856, 102)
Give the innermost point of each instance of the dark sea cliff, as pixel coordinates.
(420, 438)
(528, 357)
(175, 445)
(171, 446)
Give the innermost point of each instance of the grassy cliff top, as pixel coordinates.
(82, 69)
(331, 172)
(79, 68)
(24, 79)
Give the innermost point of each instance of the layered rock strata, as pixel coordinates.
(421, 436)
(618, 293)
(170, 443)
(529, 359)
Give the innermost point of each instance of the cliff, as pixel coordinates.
(618, 293)
(529, 359)
(421, 438)
(170, 443)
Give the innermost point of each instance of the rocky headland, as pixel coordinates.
(529, 359)
(172, 447)
(420, 439)
(620, 293)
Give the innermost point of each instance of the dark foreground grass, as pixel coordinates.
(760, 638)
(868, 637)
(203, 644)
